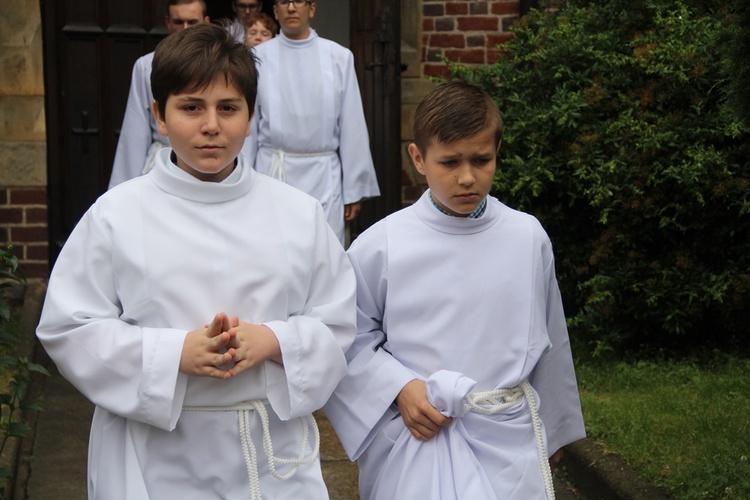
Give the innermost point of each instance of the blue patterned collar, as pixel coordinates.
(474, 215)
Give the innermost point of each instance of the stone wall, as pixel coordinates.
(23, 153)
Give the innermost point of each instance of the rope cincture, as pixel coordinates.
(497, 401)
(277, 170)
(249, 452)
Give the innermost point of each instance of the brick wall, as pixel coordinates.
(468, 31)
(23, 224)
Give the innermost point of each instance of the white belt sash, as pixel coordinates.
(244, 410)
(497, 401)
(277, 164)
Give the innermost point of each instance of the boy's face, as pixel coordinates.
(295, 20)
(184, 15)
(459, 173)
(257, 34)
(206, 129)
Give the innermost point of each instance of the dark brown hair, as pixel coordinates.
(455, 110)
(192, 59)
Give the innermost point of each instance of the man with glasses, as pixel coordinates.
(140, 139)
(309, 126)
(243, 10)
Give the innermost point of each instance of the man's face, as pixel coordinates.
(184, 15)
(243, 9)
(295, 19)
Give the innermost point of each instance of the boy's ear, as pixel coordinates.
(417, 158)
(159, 119)
(498, 146)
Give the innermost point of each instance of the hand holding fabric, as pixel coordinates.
(421, 418)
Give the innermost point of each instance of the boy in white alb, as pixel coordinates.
(461, 377)
(140, 139)
(309, 127)
(186, 409)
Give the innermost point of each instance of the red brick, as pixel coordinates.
(28, 196)
(3, 196)
(493, 55)
(11, 215)
(456, 9)
(437, 70)
(495, 39)
(476, 41)
(470, 56)
(35, 270)
(37, 252)
(478, 23)
(36, 215)
(478, 8)
(433, 10)
(446, 40)
(28, 234)
(445, 24)
(502, 8)
(428, 24)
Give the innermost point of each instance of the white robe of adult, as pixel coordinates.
(157, 257)
(310, 111)
(476, 299)
(139, 130)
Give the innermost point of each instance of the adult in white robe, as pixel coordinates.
(468, 305)
(309, 127)
(140, 139)
(159, 256)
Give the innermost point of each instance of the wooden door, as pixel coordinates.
(89, 50)
(375, 44)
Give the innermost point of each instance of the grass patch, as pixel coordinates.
(683, 425)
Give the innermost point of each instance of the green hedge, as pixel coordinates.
(621, 137)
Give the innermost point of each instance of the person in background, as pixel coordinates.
(309, 127)
(260, 28)
(203, 308)
(243, 10)
(460, 383)
(140, 139)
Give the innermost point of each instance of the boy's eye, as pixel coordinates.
(190, 107)
(228, 108)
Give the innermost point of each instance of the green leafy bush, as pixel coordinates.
(15, 373)
(621, 137)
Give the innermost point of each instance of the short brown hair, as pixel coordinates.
(265, 20)
(185, 2)
(455, 110)
(193, 58)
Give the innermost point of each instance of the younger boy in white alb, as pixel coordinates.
(184, 409)
(460, 383)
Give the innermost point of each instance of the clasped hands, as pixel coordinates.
(227, 340)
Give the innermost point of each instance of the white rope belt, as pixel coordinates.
(248, 448)
(497, 401)
(277, 165)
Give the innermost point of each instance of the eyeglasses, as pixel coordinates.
(297, 3)
(247, 6)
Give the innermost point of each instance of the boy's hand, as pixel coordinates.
(253, 344)
(206, 349)
(554, 460)
(421, 418)
(351, 211)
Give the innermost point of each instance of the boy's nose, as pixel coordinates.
(466, 176)
(211, 123)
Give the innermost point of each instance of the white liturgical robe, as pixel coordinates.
(468, 305)
(159, 256)
(309, 126)
(139, 136)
